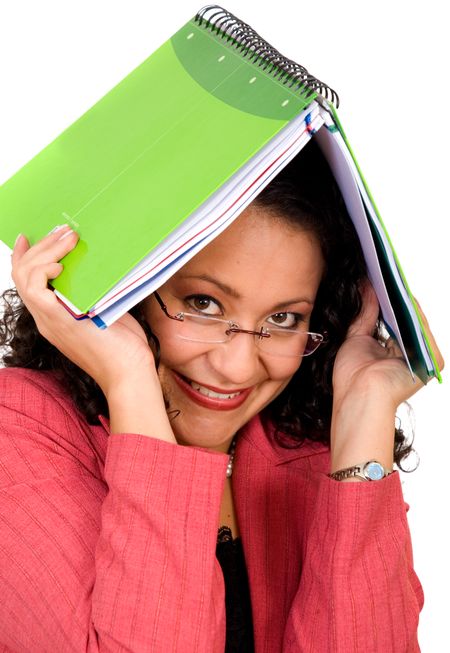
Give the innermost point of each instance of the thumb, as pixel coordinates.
(365, 323)
(20, 247)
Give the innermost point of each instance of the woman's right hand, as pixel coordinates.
(117, 358)
(111, 356)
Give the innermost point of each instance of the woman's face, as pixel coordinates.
(257, 268)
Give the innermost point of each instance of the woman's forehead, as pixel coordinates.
(260, 254)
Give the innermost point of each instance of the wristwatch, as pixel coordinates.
(369, 471)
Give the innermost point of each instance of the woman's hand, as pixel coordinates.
(109, 356)
(369, 383)
(117, 358)
(363, 364)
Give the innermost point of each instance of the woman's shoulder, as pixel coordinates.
(38, 413)
(29, 389)
(17, 376)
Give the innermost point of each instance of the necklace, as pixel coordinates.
(231, 460)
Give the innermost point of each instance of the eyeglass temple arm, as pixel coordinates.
(178, 318)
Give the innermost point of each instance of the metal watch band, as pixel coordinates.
(370, 470)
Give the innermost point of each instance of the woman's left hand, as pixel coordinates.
(370, 381)
(362, 361)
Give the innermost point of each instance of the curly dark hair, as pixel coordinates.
(306, 195)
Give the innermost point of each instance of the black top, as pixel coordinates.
(239, 630)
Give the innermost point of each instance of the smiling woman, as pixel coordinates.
(225, 370)
(250, 395)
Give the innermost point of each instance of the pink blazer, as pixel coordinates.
(107, 542)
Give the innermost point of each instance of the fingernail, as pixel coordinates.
(57, 228)
(17, 239)
(67, 233)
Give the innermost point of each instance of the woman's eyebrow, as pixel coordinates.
(297, 300)
(228, 290)
(233, 293)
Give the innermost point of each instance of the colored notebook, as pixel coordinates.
(166, 160)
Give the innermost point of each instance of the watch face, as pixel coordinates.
(374, 471)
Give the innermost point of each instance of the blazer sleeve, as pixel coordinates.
(93, 562)
(358, 590)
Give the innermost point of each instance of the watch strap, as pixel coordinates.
(370, 470)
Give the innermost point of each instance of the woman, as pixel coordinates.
(225, 400)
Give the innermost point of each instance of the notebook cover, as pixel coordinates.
(145, 156)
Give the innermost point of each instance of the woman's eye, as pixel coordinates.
(286, 320)
(203, 304)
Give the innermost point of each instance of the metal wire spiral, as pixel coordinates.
(252, 45)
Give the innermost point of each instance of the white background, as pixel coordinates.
(387, 62)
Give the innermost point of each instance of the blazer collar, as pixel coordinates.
(264, 440)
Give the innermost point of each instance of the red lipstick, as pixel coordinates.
(214, 403)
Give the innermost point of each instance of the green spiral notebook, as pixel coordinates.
(166, 160)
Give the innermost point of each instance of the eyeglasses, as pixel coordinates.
(276, 341)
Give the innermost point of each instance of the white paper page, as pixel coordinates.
(398, 280)
(336, 152)
(398, 277)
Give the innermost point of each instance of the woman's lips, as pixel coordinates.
(206, 395)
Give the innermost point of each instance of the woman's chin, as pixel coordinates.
(205, 431)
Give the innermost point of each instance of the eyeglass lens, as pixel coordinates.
(282, 342)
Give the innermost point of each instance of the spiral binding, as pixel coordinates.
(245, 39)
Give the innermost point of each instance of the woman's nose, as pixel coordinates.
(237, 361)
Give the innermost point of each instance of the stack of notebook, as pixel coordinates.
(166, 160)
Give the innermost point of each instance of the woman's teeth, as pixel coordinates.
(210, 393)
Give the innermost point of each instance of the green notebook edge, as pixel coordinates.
(430, 374)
